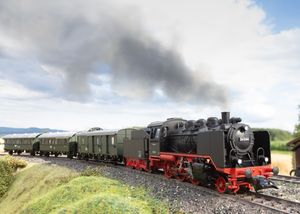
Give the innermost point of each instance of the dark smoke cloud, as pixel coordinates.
(73, 37)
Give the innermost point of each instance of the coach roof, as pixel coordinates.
(97, 133)
(21, 136)
(57, 135)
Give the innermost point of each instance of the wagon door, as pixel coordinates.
(90, 145)
(97, 145)
(107, 140)
(103, 144)
(112, 145)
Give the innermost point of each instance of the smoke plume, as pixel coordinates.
(75, 37)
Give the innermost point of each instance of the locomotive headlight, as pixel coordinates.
(239, 161)
(266, 159)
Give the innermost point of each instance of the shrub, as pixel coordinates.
(6, 177)
(8, 165)
(279, 146)
(14, 163)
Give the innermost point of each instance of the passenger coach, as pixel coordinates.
(59, 143)
(19, 143)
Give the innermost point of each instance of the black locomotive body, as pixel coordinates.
(229, 141)
(222, 152)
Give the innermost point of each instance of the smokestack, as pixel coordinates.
(225, 117)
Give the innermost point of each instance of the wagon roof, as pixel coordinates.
(21, 136)
(295, 143)
(97, 133)
(57, 135)
(156, 123)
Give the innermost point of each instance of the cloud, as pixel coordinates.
(212, 48)
(76, 38)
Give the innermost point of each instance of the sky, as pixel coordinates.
(77, 64)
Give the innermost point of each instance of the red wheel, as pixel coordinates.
(221, 184)
(167, 170)
(195, 182)
(181, 175)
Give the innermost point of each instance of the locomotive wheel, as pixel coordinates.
(195, 182)
(180, 176)
(293, 172)
(243, 190)
(221, 184)
(10, 152)
(168, 170)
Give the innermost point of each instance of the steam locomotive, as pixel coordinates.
(221, 153)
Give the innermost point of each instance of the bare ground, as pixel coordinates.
(283, 161)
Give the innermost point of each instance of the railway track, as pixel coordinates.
(272, 203)
(285, 178)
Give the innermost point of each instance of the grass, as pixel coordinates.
(54, 189)
(282, 152)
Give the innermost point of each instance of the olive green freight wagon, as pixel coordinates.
(58, 143)
(102, 145)
(18, 143)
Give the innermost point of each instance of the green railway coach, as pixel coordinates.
(18, 143)
(59, 143)
(102, 145)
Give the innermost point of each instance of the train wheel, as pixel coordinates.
(56, 155)
(243, 190)
(293, 172)
(168, 170)
(195, 182)
(181, 175)
(10, 152)
(221, 184)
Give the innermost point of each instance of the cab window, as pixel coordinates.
(155, 133)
